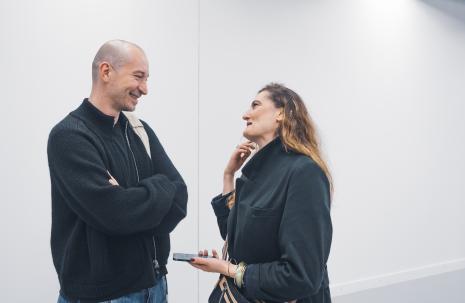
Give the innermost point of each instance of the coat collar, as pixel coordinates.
(88, 112)
(266, 154)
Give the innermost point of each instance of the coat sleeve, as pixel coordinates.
(221, 212)
(305, 234)
(163, 165)
(79, 174)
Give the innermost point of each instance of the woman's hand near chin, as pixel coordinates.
(237, 159)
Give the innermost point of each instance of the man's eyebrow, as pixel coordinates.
(141, 72)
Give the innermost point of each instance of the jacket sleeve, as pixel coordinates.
(162, 164)
(79, 174)
(305, 234)
(222, 212)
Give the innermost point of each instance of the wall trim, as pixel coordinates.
(345, 288)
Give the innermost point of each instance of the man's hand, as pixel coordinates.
(112, 180)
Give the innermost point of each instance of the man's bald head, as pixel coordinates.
(119, 76)
(115, 52)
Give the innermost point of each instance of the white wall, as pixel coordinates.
(46, 52)
(382, 79)
(384, 82)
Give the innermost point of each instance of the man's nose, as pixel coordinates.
(143, 88)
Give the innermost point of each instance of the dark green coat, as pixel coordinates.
(280, 226)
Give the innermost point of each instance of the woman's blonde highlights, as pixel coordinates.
(297, 130)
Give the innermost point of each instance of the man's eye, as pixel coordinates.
(138, 76)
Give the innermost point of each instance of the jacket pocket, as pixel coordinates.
(264, 212)
(257, 234)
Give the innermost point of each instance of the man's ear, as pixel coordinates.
(280, 116)
(104, 71)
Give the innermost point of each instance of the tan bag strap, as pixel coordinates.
(224, 251)
(222, 280)
(139, 129)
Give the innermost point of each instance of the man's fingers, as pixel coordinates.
(112, 180)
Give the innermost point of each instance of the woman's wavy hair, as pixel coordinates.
(296, 130)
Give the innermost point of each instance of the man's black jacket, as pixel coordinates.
(103, 235)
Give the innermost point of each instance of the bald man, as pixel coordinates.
(115, 200)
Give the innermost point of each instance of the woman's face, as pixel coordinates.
(262, 119)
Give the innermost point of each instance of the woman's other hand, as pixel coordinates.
(213, 264)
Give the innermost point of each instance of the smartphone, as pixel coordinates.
(187, 257)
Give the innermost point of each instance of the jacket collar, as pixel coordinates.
(89, 113)
(265, 155)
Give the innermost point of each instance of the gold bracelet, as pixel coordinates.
(229, 263)
(239, 277)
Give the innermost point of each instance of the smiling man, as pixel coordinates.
(116, 196)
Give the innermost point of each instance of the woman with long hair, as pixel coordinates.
(276, 216)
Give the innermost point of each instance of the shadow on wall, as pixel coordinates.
(453, 8)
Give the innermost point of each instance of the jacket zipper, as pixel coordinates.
(154, 261)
